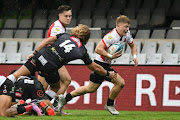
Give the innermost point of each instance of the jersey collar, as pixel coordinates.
(62, 24)
(117, 32)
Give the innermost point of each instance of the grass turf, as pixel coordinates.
(103, 115)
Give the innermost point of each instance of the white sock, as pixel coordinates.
(2, 79)
(51, 93)
(12, 78)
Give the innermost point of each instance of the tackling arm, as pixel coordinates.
(101, 71)
(46, 42)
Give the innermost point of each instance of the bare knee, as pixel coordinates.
(121, 83)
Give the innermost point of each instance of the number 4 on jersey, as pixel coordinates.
(67, 47)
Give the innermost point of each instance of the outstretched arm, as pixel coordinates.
(101, 71)
(46, 42)
(43, 44)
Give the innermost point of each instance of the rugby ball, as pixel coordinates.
(117, 47)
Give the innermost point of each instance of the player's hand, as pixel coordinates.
(135, 61)
(31, 55)
(112, 75)
(116, 55)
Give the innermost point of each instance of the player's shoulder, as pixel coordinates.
(111, 35)
(128, 34)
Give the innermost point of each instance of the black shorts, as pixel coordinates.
(7, 88)
(48, 71)
(96, 78)
(29, 89)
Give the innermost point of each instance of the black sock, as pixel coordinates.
(68, 97)
(110, 102)
(50, 98)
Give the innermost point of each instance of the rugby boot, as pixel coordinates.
(55, 106)
(47, 109)
(62, 102)
(111, 109)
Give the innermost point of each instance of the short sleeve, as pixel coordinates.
(108, 40)
(129, 38)
(55, 31)
(87, 59)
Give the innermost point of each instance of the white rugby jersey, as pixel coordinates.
(56, 28)
(111, 38)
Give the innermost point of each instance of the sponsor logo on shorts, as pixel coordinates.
(5, 91)
(42, 60)
(40, 93)
(18, 94)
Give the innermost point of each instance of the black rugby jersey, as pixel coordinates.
(65, 49)
(28, 87)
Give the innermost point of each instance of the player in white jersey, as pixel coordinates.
(120, 34)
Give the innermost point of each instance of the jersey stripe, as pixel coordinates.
(104, 43)
(49, 31)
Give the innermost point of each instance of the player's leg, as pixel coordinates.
(91, 88)
(22, 71)
(65, 80)
(43, 82)
(118, 85)
(5, 103)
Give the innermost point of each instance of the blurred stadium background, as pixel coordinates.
(154, 26)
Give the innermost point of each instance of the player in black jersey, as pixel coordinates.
(6, 94)
(27, 87)
(62, 49)
(7, 97)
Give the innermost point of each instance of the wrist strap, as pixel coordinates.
(109, 55)
(107, 74)
(134, 56)
(35, 52)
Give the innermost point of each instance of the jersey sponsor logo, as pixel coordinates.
(42, 60)
(28, 81)
(40, 93)
(5, 91)
(18, 94)
(57, 29)
(110, 37)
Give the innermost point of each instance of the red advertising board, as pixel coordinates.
(147, 88)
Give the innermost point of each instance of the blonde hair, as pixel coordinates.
(82, 32)
(122, 19)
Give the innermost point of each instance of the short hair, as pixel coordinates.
(122, 19)
(63, 8)
(82, 32)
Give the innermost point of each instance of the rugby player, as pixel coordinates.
(120, 34)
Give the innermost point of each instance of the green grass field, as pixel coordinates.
(103, 115)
